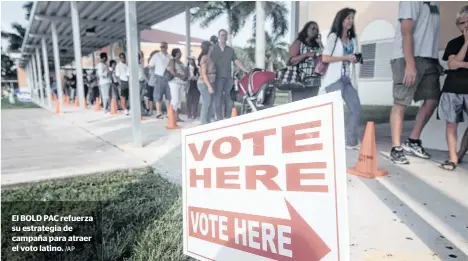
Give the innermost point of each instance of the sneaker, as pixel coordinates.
(397, 155)
(415, 149)
(127, 112)
(354, 147)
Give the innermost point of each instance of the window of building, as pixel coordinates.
(376, 57)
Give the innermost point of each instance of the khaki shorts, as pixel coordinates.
(425, 87)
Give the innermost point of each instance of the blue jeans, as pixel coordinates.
(222, 96)
(105, 94)
(351, 98)
(207, 99)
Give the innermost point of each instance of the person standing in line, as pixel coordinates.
(122, 73)
(115, 81)
(150, 86)
(159, 62)
(142, 80)
(206, 82)
(341, 53)
(453, 104)
(193, 94)
(178, 81)
(223, 56)
(104, 76)
(303, 56)
(416, 71)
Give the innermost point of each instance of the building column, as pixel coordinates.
(188, 49)
(294, 28)
(35, 78)
(28, 74)
(45, 60)
(131, 27)
(77, 48)
(260, 35)
(112, 51)
(39, 73)
(58, 78)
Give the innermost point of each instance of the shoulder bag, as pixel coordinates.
(321, 67)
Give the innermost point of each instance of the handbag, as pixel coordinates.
(321, 67)
(168, 75)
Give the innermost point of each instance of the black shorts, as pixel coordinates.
(149, 92)
(125, 93)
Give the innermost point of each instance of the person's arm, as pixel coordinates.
(454, 63)
(408, 13)
(294, 57)
(462, 53)
(204, 74)
(331, 47)
(238, 63)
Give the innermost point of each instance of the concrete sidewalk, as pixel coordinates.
(37, 145)
(417, 213)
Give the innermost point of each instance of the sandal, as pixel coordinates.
(448, 165)
(159, 116)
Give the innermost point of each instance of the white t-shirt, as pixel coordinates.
(426, 29)
(159, 61)
(103, 73)
(122, 72)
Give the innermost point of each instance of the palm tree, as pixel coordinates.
(238, 13)
(276, 51)
(15, 38)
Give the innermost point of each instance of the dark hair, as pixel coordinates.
(303, 35)
(205, 48)
(214, 38)
(337, 26)
(122, 54)
(222, 30)
(175, 51)
(195, 68)
(103, 55)
(112, 62)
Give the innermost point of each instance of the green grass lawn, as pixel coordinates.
(141, 213)
(18, 105)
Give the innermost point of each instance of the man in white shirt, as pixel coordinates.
(416, 71)
(122, 73)
(159, 62)
(105, 81)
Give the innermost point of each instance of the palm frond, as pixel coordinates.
(19, 29)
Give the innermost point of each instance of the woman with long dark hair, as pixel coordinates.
(193, 94)
(342, 53)
(304, 53)
(206, 82)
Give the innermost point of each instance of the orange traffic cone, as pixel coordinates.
(97, 105)
(367, 163)
(234, 112)
(57, 107)
(171, 119)
(114, 106)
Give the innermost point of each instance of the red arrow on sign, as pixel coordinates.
(275, 238)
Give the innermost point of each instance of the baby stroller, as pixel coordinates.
(255, 91)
